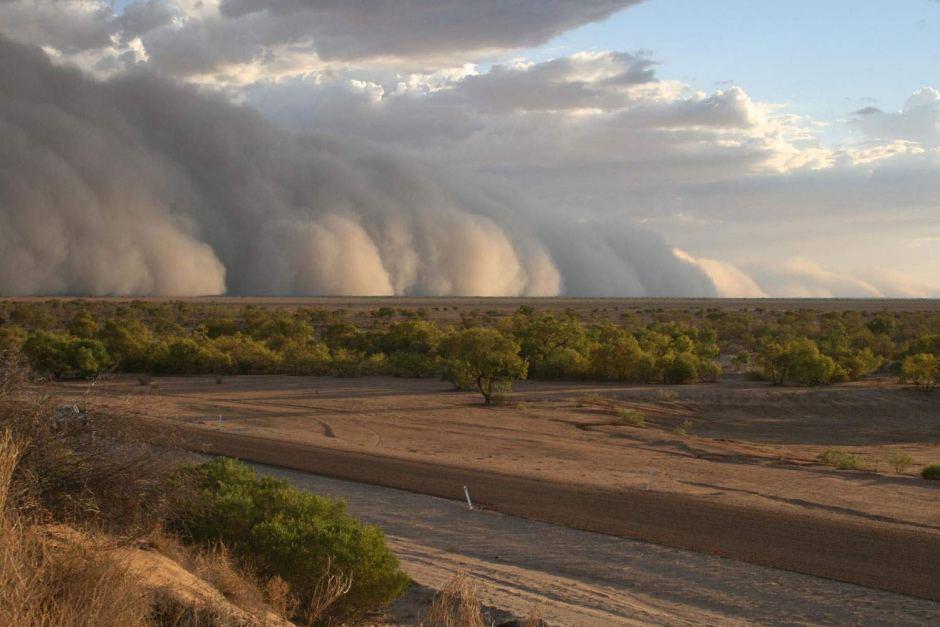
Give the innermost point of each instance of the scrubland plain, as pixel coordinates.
(816, 476)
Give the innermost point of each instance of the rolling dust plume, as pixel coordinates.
(141, 186)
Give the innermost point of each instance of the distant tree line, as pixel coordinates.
(482, 351)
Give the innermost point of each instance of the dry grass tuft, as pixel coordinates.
(279, 597)
(167, 610)
(215, 566)
(456, 605)
(330, 588)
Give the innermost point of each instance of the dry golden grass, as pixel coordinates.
(456, 605)
(331, 587)
(47, 582)
(61, 486)
(215, 567)
(279, 597)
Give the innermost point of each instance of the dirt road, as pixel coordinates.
(880, 555)
(575, 577)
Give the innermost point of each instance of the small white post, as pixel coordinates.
(649, 480)
(220, 421)
(466, 493)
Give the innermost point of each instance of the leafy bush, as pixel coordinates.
(682, 368)
(280, 531)
(59, 355)
(407, 364)
(921, 369)
(931, 472)
(347, 363)
(244, 355)
(841, 460)
(900, 461)
(189, 356)
(302, 357)
(800, 361)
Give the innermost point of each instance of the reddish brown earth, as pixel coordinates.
(731, 467)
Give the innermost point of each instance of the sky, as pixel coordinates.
(824, 59)
(484, 147)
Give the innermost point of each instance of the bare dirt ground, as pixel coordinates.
(738, 441)
(731, 468)
(580, 578)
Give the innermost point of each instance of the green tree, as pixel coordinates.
(83, 325)
(60, 355)
(185, 355)
(300, 357)
(485, 358)
(554, 346)
(680, 368)
(617, 356)
(921, 369)
(411, 348)
(129, 342)
(244, 354)
(46, 353)
(798, 360)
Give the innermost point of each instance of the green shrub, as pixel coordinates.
(185, 355)
(277, 530)
(921, 369)
(841, 460)
(800, 361)
(681, 369)
(900, 461)
(60, 355)
(347, 363)
(931, 472)
(406, 364)
(302, 357)
(709, 370)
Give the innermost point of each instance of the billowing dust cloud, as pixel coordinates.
(139, 186)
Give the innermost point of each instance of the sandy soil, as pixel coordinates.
(581, 578)
(719, 468)
(743, 442)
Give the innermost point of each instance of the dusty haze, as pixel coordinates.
(140, 186)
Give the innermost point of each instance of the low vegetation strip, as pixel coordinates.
(480, 350)
(877, 555)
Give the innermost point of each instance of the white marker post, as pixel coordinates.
(649, 480)
(220, 421)
(466, 493)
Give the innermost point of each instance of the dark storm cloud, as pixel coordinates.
(186, 38)
(352, 29)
